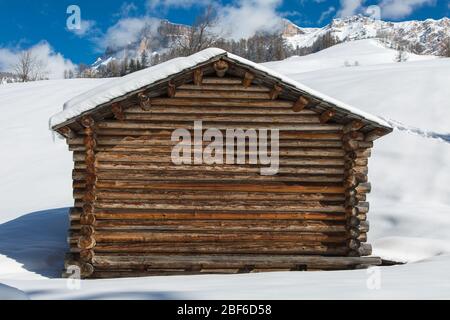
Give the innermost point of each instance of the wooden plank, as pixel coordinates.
(222, 206)
(202, 169)
(222, 225)
(183, 215)
(217, 178)
(221, 102)
(271, 247)
(238, 187)
(174, 237)
(224, 87)
(208, 94)
(206, 195)
(225, 110)
(151, 117)
(258, 261)
(217, 125)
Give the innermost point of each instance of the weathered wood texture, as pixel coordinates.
(137, 213)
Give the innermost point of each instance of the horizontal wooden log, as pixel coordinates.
(237, 187)
(189, 125)
(303, 157)
(205, 195)
(159, 137)
(365, 249)
(154, 168)
(282, 119)
(130, 146)
(224, 87)
(203, 215)
(222, 110)
(158, 236)
(210, 178)
(219, 225)
(364, 226)
(219, 205)
(259, 247)
(167, 161)
(221, 102)
(215, 261)
(220, 81)
(283, 135)
(208, 94)
(363, 207)
(364, 188)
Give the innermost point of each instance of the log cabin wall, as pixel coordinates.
(137, 213)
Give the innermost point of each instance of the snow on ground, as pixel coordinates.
(8, 293)
(360, 52)
(410, 202)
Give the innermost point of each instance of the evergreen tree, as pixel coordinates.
(144, 59)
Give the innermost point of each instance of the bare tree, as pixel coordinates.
(29, 67)
(200, 36)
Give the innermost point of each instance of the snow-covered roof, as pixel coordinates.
(119, 87)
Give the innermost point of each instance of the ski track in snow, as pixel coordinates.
(409, 171)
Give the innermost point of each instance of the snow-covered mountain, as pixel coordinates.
(156, 37)
(422, 37)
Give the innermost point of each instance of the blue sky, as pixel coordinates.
(26, 23)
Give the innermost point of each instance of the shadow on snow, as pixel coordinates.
(38, 241)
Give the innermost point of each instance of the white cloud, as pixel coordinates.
(350, 8)
(326, 14)
(127, 9)
(401, 8)
(87, 28)
(126, 31)
(246, 17)
(54, 62)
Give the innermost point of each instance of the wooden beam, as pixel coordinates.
(221, 67)
(375, 134)
(248, 79)
(198, 77)
(327, 116)
(117, 110)
(354, 125)
(67, 132)
(87, 121)
(275, 92)
(171, 89)
(300, 104)
(144, 101)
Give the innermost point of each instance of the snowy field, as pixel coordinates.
(409, 172)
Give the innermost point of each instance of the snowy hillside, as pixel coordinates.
(368, 52)
(424, 37)
(409, 171)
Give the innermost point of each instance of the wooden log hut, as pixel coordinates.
(136, 213)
